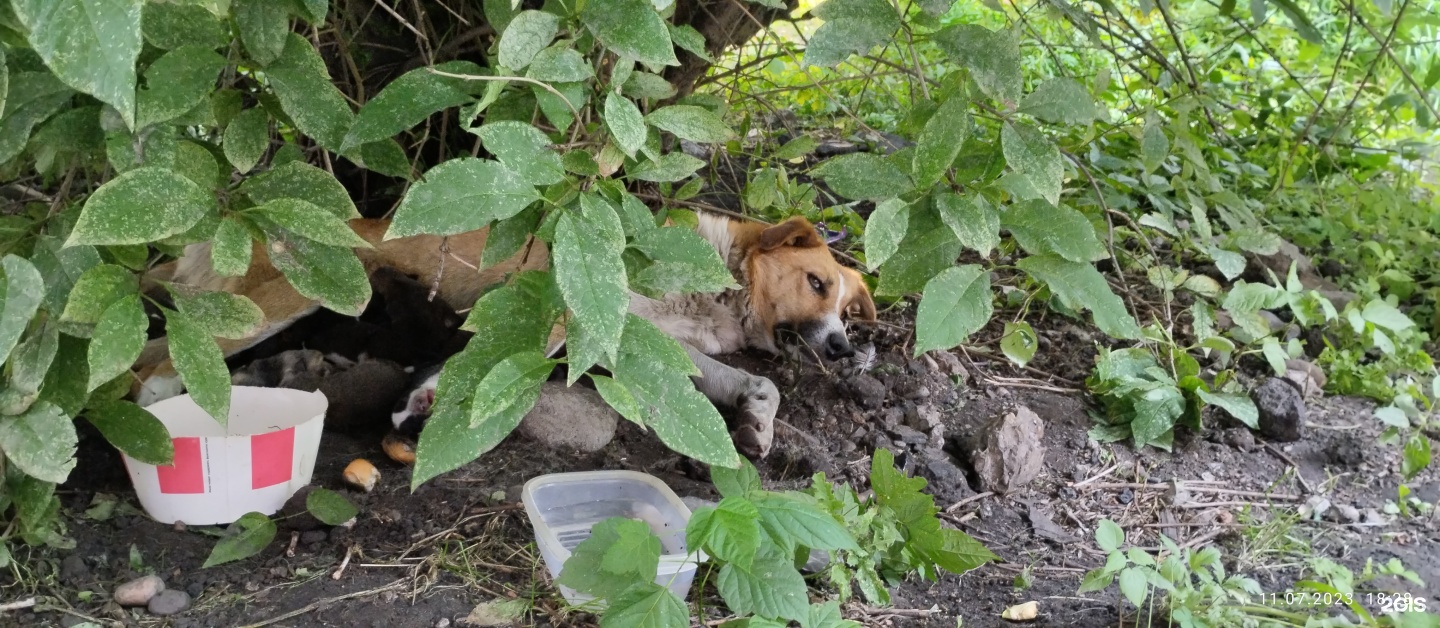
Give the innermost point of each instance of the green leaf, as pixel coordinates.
(863, 176)
(993, 58)
(310, 221)
(513, 318)
(656, 370)
(560, 64)
(957, 302)
(515, 380)
(409, 100)
(770, 587)
(730, 531)
(1134, 585)
(508, 236)
(797, 148)
(1042, 228)
(308, 95)
(167, 25)
(940, 141)
(386, 157)
(625, 122)
(971, 218)
(687, 38)
(1274, 354)
(263, 26)
(1035, 158)
(1302, 22)
(525, 150)
(1383, 314)
(1079, 285)
(200, 364)
(41, 442)
(314, 10)
(95, 291)
(231, 248)
(591, 275)
(28, 365)
(690, 122)
(1019, 343)
(91, 45)
(118, 338)
(738, 481)
(1416, 455)
(331, 275)
(1393, 416)
(60, 269)
(1238, 405)
(668, 168)
(141, 206)
(884, 230)
(1154, 146)
(619, 398)
(461, 195)
(827, 615)
(1109, 536)
(630, 28)
(195, 161)
(256, 533)
(133, 430)
(684, 262)
(1061, 100)
(1230, 263)
(1249, 297)
(927, 249)
(303, 181)
(646, 605)
(176, 83)
(620, 553)
(329, 507)
(23, 291)
(850, 26)
(221, 314)
(528, 33)
(793, 518)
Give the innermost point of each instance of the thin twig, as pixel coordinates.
(319, 604)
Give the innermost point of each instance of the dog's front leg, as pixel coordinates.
(755, 397)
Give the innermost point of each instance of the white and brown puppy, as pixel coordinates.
(788, 281)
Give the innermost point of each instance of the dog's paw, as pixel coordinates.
(758, 405)
(159, 388)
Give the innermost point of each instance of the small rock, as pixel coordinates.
(169, 602)
(1371, 516)
(865, 390)
(1240, 438)
(139, 591)
(73, 570)
(909, 435)
(443, 622)
(1345, 513)
(947, 481)
(1282, 410)
(570, 418)
(1125, 497)
(1308, 377)
(923, 418)
(1011, 455)
(1315, 507)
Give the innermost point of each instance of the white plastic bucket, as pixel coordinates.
(265, 454)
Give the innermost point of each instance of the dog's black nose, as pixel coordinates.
(838, 346)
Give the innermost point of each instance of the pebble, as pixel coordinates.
(138, 592)
(73, 570)
(444, 622)
(169, 602)
(1126, 496)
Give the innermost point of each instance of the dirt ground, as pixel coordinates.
(427, 558)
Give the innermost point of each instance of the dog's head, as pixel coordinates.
(795, 284)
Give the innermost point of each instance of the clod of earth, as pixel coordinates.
(570, 418)
(1012, 455)
(1282, 410)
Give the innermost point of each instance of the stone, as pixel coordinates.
(909, 435)
(1010, 454)
(947, 481)
(1345, 513)
(1310, 379)
(865, 390)
(1314, 508)
(923, 418)
(169, 602)
(570, 418)
(138, 592)
(1240, 438)
(1282, 410)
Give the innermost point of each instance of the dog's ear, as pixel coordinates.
(858, 303)
(797, 231)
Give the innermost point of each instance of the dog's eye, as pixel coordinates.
(816, 284)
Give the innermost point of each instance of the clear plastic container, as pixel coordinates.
(564, 506)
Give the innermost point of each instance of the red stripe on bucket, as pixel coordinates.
(187, 475)
(272, 457)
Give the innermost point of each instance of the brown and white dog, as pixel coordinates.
(788, 281)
